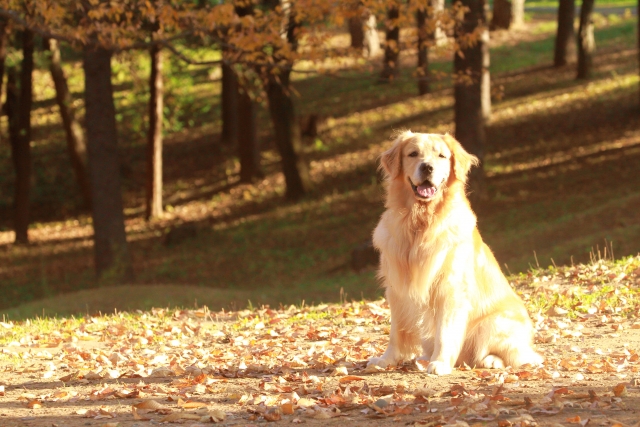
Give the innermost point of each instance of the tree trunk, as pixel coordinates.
(364, 33)
(356, 31)
(283, 116)
(287, 135)
(154, 137)
(4, 29)
(229, 105)
(586, 40)
(19, 102)
(565, 42)
(110, 240)
(507, 13)
(371, 38)
(248, 149)
(439, 35)
(76, 146)
(423, 51)
(472, 98)
(390, 66)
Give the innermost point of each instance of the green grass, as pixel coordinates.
(252, 246)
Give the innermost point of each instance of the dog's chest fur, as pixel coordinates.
(414, 253)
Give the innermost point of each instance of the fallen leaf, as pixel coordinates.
(137, 416)
(150, 404)
(34, 404)
(287, 408)
(190, 404)
(340, 371)
(620, 390)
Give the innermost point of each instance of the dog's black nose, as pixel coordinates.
(426, 168)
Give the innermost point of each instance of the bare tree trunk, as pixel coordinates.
(356, 31)
(371, 38)
(586, 40)
(76, 146)
(283, 116)
(4, 33)
(390, 66)
(472, 98)
(248, 149)
(229, 105)
(565, 42)
(439, 35)
(507, 13)
(287, 135)
(364, 32)
(423, 51)
(154, 137)
(110, 240)
(19, 102)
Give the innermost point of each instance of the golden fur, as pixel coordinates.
(450, 302)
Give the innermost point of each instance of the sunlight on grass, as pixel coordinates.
(254, 246)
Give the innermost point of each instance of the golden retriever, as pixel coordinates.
(450, 303)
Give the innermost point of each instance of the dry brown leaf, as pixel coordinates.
(620, 390)
(190, 404)
(216, 416)
(272, 416)
(350, 378)
(287, 408)
(71, 376)
(151, 404)
(137, 416)
(177, 416)
(34, 404)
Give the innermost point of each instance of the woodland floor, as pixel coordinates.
(307, 365)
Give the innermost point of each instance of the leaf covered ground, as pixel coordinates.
(307, 365)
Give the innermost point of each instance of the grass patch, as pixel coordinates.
(562, 156)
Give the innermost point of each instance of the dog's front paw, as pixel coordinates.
(492, 362)
(380, 362)
(532, 358)
(439, 368)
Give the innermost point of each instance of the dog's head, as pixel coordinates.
(426, 164)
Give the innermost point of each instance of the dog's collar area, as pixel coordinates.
(424, 191)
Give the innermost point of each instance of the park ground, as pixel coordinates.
(307, 365)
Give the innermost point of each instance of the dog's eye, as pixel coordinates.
(442, 156)
(413, 154)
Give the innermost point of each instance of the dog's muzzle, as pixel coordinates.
(425, 191)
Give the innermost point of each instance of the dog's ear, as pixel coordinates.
(462, 161)
(391, 160)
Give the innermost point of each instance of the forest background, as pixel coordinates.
(177, 153)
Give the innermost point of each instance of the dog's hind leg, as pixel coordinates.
(503, 339)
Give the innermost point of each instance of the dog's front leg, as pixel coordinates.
(392, 355)
(451, 326)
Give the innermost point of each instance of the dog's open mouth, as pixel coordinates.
(425, 191)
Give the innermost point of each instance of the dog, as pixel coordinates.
(450, 302)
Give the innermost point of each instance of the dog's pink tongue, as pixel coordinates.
(425, 191)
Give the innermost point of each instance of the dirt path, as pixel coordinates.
(307, 365)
